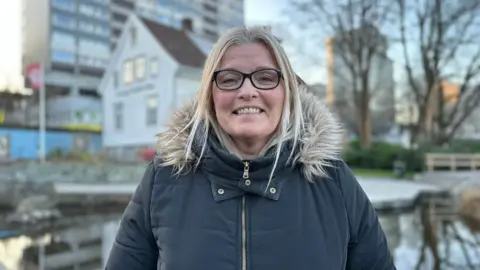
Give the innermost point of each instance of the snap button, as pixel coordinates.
(220, 191)
(273, 190)
(248, 182)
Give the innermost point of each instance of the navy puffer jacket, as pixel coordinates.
(224, 215)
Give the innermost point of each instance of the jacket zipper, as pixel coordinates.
(244, 219)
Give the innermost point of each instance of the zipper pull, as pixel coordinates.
(246, 169)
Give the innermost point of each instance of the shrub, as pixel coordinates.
(381, 155)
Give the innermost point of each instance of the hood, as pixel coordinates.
(320, 142)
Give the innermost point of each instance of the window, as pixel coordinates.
(79, 117)
(94, 28)
(118, 115)
(64, 4)
(92, 61)
(64, 57)
(102, 1)
(140, 64)
(63, 41)
(210, 20)
(210, 7)
(63, 21)
(92, 11)
(210, 33)
(127, 72)
(154, 66)
(133, 35)
(151, 113)
(94, 48)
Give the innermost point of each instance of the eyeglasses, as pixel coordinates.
(231, 80)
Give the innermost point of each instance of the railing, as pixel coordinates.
(453, 161)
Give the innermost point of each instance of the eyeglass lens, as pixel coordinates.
(261, 79)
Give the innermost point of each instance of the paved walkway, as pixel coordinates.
(393, 193)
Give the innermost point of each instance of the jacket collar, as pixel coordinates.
(231, 177)
(320, 143)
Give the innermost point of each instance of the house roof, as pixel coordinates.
(177, 43)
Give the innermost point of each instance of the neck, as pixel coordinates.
(249, 148)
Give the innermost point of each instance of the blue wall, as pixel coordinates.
(24, 142)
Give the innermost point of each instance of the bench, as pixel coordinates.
(453, 161)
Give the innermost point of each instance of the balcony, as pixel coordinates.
(119, 18)
(124, 4)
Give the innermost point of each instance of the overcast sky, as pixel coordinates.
(256, 12)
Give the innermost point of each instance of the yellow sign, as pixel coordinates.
(83, 127)
(2, 116)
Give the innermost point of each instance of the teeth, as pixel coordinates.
(248, 111)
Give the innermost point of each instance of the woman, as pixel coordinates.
(249, 177)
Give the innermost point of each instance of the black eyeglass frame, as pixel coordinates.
(249, 76)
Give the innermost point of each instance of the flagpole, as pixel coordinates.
(42, 116)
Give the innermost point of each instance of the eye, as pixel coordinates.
(228, 77)
(228, 80)
(266, 76)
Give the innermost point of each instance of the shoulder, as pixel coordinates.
(167, 174)
(342, 176)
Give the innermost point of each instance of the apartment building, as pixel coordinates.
(71, 40)
(74, 40)
(210, 18)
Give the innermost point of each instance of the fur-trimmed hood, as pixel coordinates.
(320, 142)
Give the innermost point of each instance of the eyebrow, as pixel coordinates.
(255, 69)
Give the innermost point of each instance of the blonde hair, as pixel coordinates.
(291, 122)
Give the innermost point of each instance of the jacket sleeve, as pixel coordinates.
(135, 247)
(367, 248)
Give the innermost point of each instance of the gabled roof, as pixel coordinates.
(177, 44)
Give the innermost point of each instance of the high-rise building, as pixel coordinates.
(209, 18)
(340, 81)
(74, 39)
(71, 39)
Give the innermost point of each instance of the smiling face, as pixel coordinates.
(248, 113)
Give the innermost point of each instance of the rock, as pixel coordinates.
(469, 208)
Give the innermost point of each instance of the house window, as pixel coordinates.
(127, 72)
(133, 36)
(140, 64)
(154, 66)
(151, 113)
(118, 115)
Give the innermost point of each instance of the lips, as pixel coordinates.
(248, 110)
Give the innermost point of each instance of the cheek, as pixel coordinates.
(221, 102)
(275, 101)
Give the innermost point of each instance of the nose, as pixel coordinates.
(247, 91)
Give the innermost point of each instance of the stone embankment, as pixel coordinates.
(27, 188)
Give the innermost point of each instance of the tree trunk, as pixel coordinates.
(364, 122)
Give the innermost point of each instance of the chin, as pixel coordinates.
(252, 132)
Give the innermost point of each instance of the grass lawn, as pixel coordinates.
(378, 173)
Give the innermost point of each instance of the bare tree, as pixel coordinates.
(445, 39)
(357, 47)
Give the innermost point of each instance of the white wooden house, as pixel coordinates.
(153, 70)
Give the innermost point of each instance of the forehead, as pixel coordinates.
(248, 57)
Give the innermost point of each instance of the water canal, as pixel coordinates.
(73, 227)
